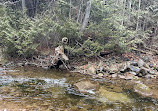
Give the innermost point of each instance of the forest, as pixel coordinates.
(78, 55)
(117, 25)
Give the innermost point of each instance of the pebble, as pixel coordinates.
(133, 73)
(114, 75)
(100, 75)
(151, 65)
(121, 76)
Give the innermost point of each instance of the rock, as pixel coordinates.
(152, 72)
(113, 69)
(133, 63)
(141, 63)
(114, 75)
(87, 87)
(106, 75)
(100, 75)
(129, 76)
(115, 88)
(5, 89)
(146, 59)
(121, 76)
(140, 75)
(126, 59)
(148, 76)
(100, 66)
(146, 66)
(143, 89)
(133, 73)
(144, 71)
(151, 65)
(91, 69)
(124, 67)
(21, 64)
(134, 69)
(109, 96)
(136, 78)
(2, 69)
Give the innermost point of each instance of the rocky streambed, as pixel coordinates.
(31, 88)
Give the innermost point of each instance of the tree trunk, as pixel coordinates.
(70, 10)
(129, 13)
(23, 5)
(137, 26)
(79, 12)
(123, 12)
(87, 15)
(144, 24)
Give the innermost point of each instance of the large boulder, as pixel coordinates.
(143, 90)
(87, 87)
(109, 96)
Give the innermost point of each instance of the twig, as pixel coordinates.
(65, 65)
(9, 3)
(141, 51)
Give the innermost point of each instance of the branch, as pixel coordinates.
(9, 3)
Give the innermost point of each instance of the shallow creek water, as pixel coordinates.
(36, 89)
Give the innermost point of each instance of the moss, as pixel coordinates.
(108, 96)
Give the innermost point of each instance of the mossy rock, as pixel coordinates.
(109, 96)
(87, 87)
(142, 89)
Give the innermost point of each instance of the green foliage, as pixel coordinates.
(113, 25)
(17, 34)
(21, 35)
(69, 29)
(92, 48)
(89, 48)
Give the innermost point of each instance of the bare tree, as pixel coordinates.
(23, 5)
(137, 26)
(87, 15)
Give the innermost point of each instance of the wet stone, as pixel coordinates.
(129, 76)
(114, 75)
(144, 71)
(113, 69)
(110, 96)
(141, 63)
(149, 76)
(133, 63)
(134, 69)
(143, 89)
(146, 59)
(152, 72)
(121, 76)
(124, 67)
(151, 65)
(133, 73)
(100, 75)
(86, 87)
(146, 66)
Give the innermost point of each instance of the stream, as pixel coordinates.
(36, 89)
